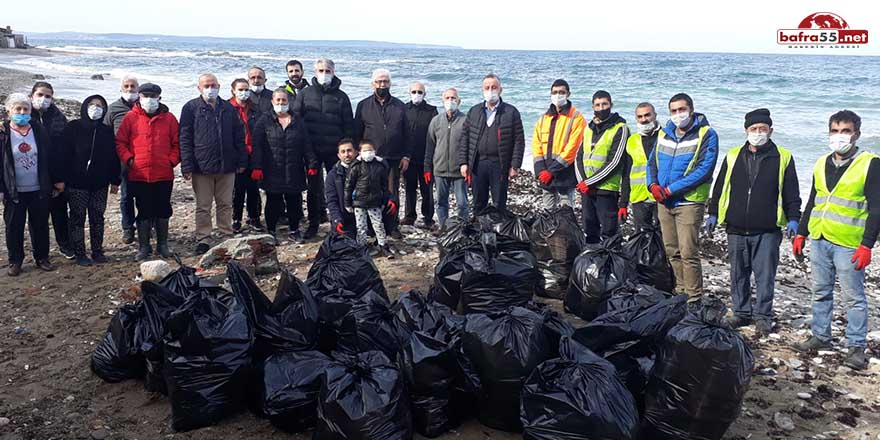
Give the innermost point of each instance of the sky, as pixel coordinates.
(631, 25)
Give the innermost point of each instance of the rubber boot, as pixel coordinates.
(144, 230)
(162, 238)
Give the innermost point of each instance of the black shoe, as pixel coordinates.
(324, 217)
(255, 224)
(45, 265)
(812, 344)
(764, 326)
(385, 252)
(14, 270)
(283, 220)
(297, 237)
(395, 234)
(82, 260)
(128, 235)
(99, 258)
(429, 225)
(856, 358)
(67, 252)
(202, 248)
(236, 227)
(737, 321)
(144, 233)
(310, 233)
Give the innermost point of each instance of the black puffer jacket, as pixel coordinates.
(385, 125)
(262, 102)
(507, 126)
(54, 121)
(367, 184)
(327, 112)
(211, 138)
(48, 165)
(283, 154)
(419, 118)
(90, 160)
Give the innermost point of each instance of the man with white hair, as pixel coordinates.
(261, 96)
(212, 151)
(381, 119)
(128, 90)
(419, 114)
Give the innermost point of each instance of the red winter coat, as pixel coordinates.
(153, 142)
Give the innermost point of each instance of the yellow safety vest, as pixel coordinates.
(595, 155)
(701, 193)
(839, 214)
(724, 201)
(638, 188)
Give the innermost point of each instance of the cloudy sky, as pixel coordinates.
(631, 25)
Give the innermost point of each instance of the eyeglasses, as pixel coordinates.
(416, 92)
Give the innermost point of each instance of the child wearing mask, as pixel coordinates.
(366, 193)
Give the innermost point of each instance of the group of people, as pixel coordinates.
(284, 140)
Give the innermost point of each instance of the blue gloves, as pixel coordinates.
(791, 228)
(711, 222)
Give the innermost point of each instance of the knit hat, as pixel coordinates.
(761, 115)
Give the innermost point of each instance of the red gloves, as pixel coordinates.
(428, 177)
(582, 187)
(660, 194)
(621, 215)
(392, 207)
(862, 257)
(312, 172)
(339, 229)
(249, 149)
(468, 179)
(257, 175)
(545, 177)
(797, 246)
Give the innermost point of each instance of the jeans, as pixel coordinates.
(126, 204)
(552, 199)
(488, 178)
(414, 182)
(758, 254)
(680, 227)
(599, 213)
(459, 186)
(645, 215)
(827, 260)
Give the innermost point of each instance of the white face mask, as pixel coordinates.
(258, 89)
(210, 93)
(758, 139)
(645, 129)
(242, 95)
(129, 96)
(280, 108)
(150, 105)
(367, 156)
(681, 120)
(95, 112)
(491, 96)
(324, 79)
(840, 143)
(450, 105)
(42, 102)
(558, 100)
(417, 98)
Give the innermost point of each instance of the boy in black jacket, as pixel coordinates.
(366, 193)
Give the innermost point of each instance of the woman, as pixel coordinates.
(29, 178)
(44, 111)
(245, 187)
(281, 151)
(148, 145)
(91, 166)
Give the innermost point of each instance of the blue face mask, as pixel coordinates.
(21, 119)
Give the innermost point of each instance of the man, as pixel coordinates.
(491, 147)
(381, 118)
(842, 219)
(115, 113)
(212, 151)
(599, 168)
(334, 190)
(419, 114)
(261, 97)
(633, 188)
(326, 110)
(679, 175)
(295, 82)
(441, 158)
(755, 195)
(558, 136)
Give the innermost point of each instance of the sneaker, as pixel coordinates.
(274, 237)
(385, 252)
(82, 260)
(373, 251)
(14, 270)
(236, 227)
(99, 258)
(128, 236)
(297, 237)
(764, 327)
(202, 248)
(856, 358)
(45, 265)
(736, 321)
(311, 233)
(395, 234)
(408, 221)
(811, 344)
(255, 224)
(67, 252)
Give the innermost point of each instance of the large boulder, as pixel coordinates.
(255, 253)
(155, 270)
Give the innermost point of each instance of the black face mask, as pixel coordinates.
(602, 114)
(383, 92)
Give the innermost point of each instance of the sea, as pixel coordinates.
(801, 91)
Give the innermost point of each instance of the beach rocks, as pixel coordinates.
(255, 253)
(783, 421)
(155, 270)
(97, 77)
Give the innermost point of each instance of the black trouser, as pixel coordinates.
(58, 209)
(315, 202)
(95, 204)
(34, 210)
(246, 188)
(275, 204)
(153, 200)
(414, 177)
(645, 216)
(391, 221)
(599, 215)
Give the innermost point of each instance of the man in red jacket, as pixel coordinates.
(148, 145)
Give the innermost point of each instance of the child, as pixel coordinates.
(366, 190)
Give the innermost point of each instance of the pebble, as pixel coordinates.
(4, 421)
(783, 421)
(69, 398)
(100, 434)
(817, 361)
(805, 396)
(829, 406)
(795, 363)
(854, 397)
(843, 369)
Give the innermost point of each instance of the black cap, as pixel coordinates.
(150, 88)
(761, 115)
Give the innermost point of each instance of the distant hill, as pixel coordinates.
(177, 38)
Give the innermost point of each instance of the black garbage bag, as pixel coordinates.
(181, 280)
(702, 373)
(159, 303)
(492, 283)
(118, 357)
(556, 240)
(344, 263)
(333, 306)
(207, 358)
(554, 324)
(287, 323)
(460, 234)
(430, 365)
(577, 397)
(504, 349)
(372, 325)
(597, 272)
(512, 231)
(446, 288)
(632, 295)
(645, 248)
(416, 312)
(363, 397)
(289, 385)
